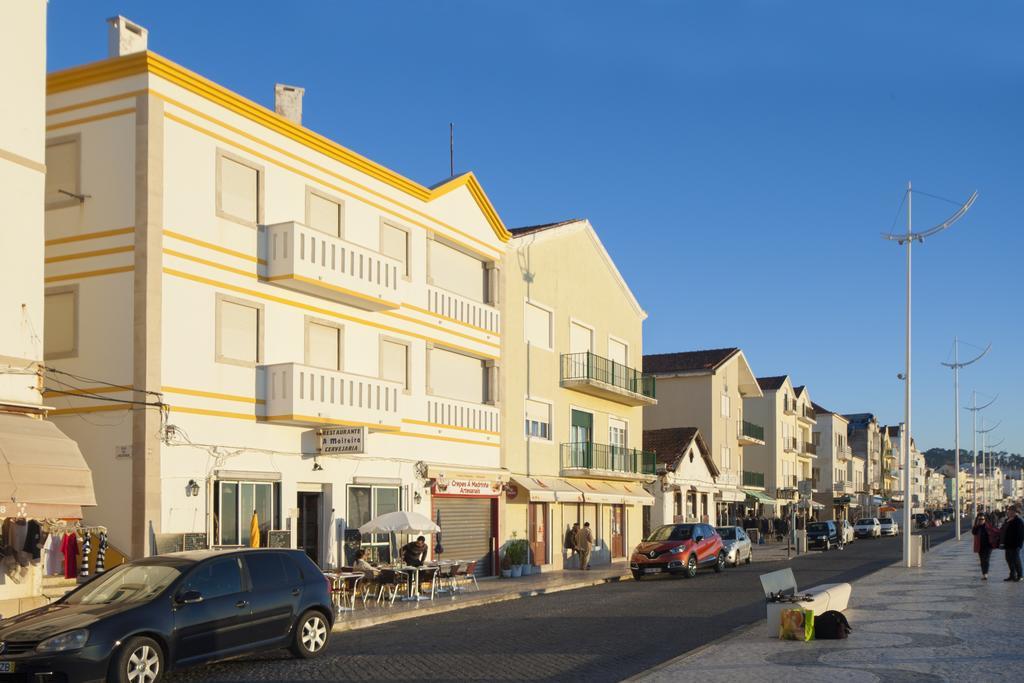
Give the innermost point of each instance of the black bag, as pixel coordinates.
(831, 625)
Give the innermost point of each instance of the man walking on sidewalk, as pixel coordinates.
(585, 541)
(1012, 533)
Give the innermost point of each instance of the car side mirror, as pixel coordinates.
(698, 539)
(190, 597)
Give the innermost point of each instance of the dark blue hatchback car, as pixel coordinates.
(137, 621)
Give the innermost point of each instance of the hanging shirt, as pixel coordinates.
(53, 555)
(86, 549)
(69, 546)
(33, 539)
(101, 553)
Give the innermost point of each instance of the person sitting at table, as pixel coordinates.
(415, 552)
(361, 565)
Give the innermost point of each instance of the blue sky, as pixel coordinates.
(739, 159)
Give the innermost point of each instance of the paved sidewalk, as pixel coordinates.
(491, 591)
(936, 623)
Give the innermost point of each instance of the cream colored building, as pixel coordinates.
(264, 282)
(789, 454)
(706, 390)
(865, 437)
(839, 479)
(686, 485)
(43, 476)
(572, 396)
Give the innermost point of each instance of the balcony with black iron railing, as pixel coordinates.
(607, 460)
(749, 434)
(788, 405)
(789, 444)
(807, 413)
(589, 373)
(808, 448)
(753, 479)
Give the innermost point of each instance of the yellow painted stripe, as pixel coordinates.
(446, 438)
(444, 426)
(343, 290)
(326, 420)
(336, 188)
(215, 247)
(214, 413)
(212, 394)
(88, 391)
(22, 161)
(206, 262)
(322, 311)
(89, 273)
(449, 319)
(90, 236)
(89, 254)
(89, 409)
(90, 119)
(96, 102)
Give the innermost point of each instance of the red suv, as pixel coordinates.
(678, 549)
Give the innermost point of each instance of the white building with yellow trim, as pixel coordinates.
(572, 396)
(264, 282)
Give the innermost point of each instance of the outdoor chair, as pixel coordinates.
(467, 573)
(391, 582)
(445, 578)
(429, 575)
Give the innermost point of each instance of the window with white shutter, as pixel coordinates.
(538, 326)
(238, 192)
(60, 323)
(394, 362)
(239, 331)
(394, 242)
(323, 345)
(323, 213)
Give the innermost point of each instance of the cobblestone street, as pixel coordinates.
(604, 633)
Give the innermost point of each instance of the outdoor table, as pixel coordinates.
(337, 580)
(414, 594)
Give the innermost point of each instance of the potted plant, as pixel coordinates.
(516, 552)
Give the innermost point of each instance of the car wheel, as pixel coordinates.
(311, 634)
(720, 562)
(140, 661)
(637, 576)
(750, 556)
(691, 567)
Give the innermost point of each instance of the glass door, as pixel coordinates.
(581, 436)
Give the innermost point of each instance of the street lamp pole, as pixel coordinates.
(908, 239)
(956, 365)
(975, 409)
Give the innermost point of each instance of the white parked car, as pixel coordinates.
(867, 527)
(889, 526)
(846, 531)
(736, 544)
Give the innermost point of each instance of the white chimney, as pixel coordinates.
(288, 101)
(125, 37)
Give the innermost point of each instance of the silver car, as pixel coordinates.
(738, 547)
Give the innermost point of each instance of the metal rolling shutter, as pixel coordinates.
(466, 530)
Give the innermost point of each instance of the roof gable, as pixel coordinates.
(772, 383)
(671, 445)
(707, 360)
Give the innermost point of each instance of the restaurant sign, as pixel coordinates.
(467, 487)
(335, 440)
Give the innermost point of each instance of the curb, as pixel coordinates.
(440, 608)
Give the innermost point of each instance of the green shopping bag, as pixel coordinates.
(797, 624)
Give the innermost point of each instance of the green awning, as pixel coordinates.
(760, 497)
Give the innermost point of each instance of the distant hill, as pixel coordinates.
(937, 457)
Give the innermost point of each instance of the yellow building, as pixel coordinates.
(572, 400)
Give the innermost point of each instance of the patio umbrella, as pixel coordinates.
(400, 522)
(254, 531)
(438, 548)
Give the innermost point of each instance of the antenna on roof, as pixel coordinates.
(451, 150)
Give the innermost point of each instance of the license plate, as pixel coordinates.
(7, 667)
(652, 570)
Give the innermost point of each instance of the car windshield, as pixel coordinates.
(885, 520)
(865, 521)
(127, 583)
(672, 532)
(818, 526)
(728, 533)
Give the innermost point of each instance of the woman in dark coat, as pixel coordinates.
(986, 538)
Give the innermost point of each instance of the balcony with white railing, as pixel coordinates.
(841, 487)
(307, 260)
(463, 309)
(477, 417)
(843, 453)
(304, 395)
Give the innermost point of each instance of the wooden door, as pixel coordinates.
(618, 538)
(539, 533)
(309, 524)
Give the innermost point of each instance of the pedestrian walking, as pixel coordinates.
(986, 537)
(585, 542)
(572, 542)
(1012, 537)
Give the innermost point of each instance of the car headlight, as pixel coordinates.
(72, 640)
(676, 551)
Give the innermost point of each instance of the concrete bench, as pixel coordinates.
(823, 598)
